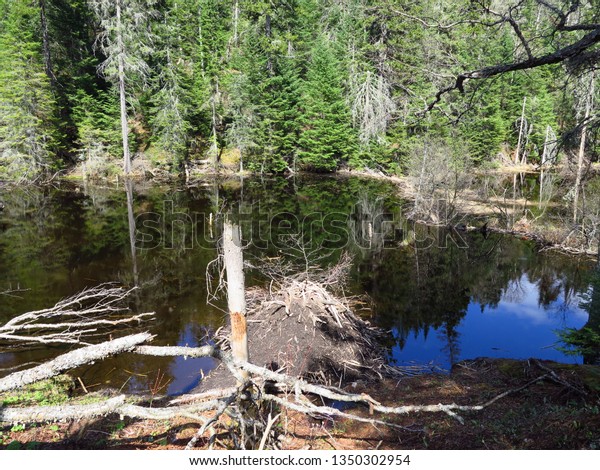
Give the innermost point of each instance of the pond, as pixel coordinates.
(443, 295)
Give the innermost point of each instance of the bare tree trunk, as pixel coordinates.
(236, 299)
(581, 153)
(236, 16)
(518, 151)
(214, 124)
(122, 96)
(201, 41)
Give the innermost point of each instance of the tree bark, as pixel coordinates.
(566, 53)
(518, 151)
(46, 43)
(236, 299)
(71, 360)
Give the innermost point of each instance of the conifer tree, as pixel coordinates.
(327, 138)
(28, 137)
(124, 40)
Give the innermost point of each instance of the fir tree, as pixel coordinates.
(327, 138)
(124, 40)
(28, 136)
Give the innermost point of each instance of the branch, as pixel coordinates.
(566, 53)
(73, 319)
(72, 360)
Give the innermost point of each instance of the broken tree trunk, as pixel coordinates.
(236, 300)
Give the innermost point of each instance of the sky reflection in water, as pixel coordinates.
(518, 327)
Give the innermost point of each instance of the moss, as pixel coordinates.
(54, 391)
(512, 368)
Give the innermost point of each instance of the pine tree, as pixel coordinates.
(327, 138)
(28, 138)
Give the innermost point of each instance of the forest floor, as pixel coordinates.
(561, 411)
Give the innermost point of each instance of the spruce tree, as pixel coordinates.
(124, 40)
(327, 139)
(28, 138)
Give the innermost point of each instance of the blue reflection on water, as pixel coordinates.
(187, 372)
(518, 327)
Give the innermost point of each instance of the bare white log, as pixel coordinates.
(72, 360)
(214, 400)
(298, 386)
(117, 405)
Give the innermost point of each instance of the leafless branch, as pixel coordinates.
(75, 319)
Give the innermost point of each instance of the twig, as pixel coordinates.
(270, 422)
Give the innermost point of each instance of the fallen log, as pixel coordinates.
(72, 360)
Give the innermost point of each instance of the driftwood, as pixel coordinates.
(117, 405)
(266, 390)
(218, 399)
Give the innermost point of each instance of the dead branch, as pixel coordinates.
(117, 405)
(71, 360)
(11, 292)
(220, 401)
(561, 55)
(555, 378)
(75, 319)
(286, 383)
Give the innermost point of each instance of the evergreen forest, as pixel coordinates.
(115, 86)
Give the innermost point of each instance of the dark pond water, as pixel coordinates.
(444, 296)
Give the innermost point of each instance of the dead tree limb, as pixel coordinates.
(75, 319)
(561, 55)
(117, 405)
(71, 360)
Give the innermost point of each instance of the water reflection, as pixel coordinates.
(497, 298)
(445, 295)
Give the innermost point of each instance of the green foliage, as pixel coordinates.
(54, 391)
(584, 342)
(97, 122)
(28, 132)
(327, 138)
(313, 84)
